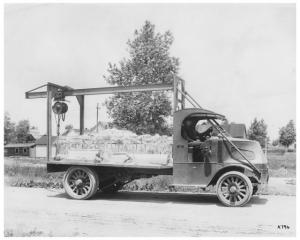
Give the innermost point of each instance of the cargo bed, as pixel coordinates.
(152, 169)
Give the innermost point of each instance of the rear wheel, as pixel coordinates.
(80, 182)
(234, 189)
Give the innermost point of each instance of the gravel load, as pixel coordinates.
(115, 146)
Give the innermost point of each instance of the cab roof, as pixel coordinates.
(200, 112)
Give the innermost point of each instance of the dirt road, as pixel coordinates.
(41, 212)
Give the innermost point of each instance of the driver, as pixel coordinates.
(204, 132)
(201, 150)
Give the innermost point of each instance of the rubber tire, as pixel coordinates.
(255, 189)
(94, 180)
(249, 188)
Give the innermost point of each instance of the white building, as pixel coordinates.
(41, 147)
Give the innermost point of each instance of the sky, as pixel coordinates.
(237, 59)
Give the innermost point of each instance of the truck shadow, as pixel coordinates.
(184, 198)
(168, 197)
(160, 197)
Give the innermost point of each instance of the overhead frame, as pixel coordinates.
(51, 89)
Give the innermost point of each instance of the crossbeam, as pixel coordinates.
(104, 90)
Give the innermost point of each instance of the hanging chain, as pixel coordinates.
(58, 117)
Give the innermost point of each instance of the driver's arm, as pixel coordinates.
(195, 143)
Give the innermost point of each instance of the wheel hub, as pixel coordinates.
(233, 189)
(78, 182)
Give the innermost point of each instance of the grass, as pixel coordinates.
(25, 172)
(282, 164)
(19, 233)
(28, 172)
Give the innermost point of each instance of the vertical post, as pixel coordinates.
(49, 122)
(80, 99)
(175, 94)
(82, 115)
(182, 95)
(97, 117)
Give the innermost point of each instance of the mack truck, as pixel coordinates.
(204, 155)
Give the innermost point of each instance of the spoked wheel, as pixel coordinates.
(80, 182)
(234, 189)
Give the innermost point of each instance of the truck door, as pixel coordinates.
(199, 165)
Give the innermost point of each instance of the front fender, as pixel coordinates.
(234, 167)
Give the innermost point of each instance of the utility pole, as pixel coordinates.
(97, 116)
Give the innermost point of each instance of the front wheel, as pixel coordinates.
(80, 182)
(234, 189)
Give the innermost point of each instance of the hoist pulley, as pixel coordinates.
(59, 108)
(59, 95)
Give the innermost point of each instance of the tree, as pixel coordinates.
(258, 132)
(287, 134)
(149, 62)
(275, 142)
(22, 132)
(9, 130)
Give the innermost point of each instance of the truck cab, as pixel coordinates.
(203, 157)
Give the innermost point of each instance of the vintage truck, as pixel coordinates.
(203, 153)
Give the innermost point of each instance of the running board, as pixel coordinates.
(202, 186)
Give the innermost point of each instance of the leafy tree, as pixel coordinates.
(287, 134)
(22, 132)
(258, 131)
(149, 62)
(275, 142)
(9, 129)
